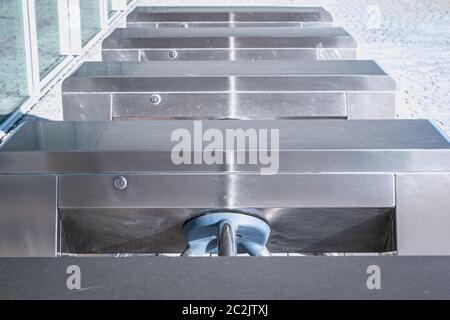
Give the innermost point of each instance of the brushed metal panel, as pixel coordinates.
(288, 105)
(293, 42)
(259, 54)
(210, 54)
(309, 146)
(228, 68)
(228, 32)
(84, 107)
(167, 43)
(315, 83)
(230, 14)
(371, 105)
(28, 216)
(337, 54)
(324, 135)
(120, 55)
(230, 106)
(231, 24)
(275, 54)
(423, 214)
(307, 161)
(316, 24)
(237, 42)
(227, 9)
(147, 84)
(172, 106)
(228, 191)
(232, 83)
(237, 54)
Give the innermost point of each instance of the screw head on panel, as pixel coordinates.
(120, 183)
(155, 99)
(173, 54)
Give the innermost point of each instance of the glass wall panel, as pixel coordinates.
(90, 19)
(48, 35)
(110, 10)
(13, 72)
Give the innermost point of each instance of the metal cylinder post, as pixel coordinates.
(226, 240)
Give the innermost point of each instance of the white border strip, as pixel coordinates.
(64, 27)
(31, 47)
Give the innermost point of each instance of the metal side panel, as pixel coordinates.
(222, 105)
(130, 33)
(371, 105)
(258, 24)
(228, 9)
(225, 106)
(162, 69)
(229, 191)
(244, 45)
(308, 54)
(87, 107)
(237, 42)
(28, 216)
(228, 17)
(254, 84)
(227, 97)
(423, 214)
(121, 55)
(229, 90)
(307, 213)
(305, 146)
(412, 136)
(337, 54)
(316, 24)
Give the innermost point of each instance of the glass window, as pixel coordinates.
(48, 35)
(110, 10)
(13, 72)
(90, 19)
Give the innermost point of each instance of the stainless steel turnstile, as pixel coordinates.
(293, 178)
(114, 187)
(260, 43)
(229, 90)
(193, 17)
(234, 63)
